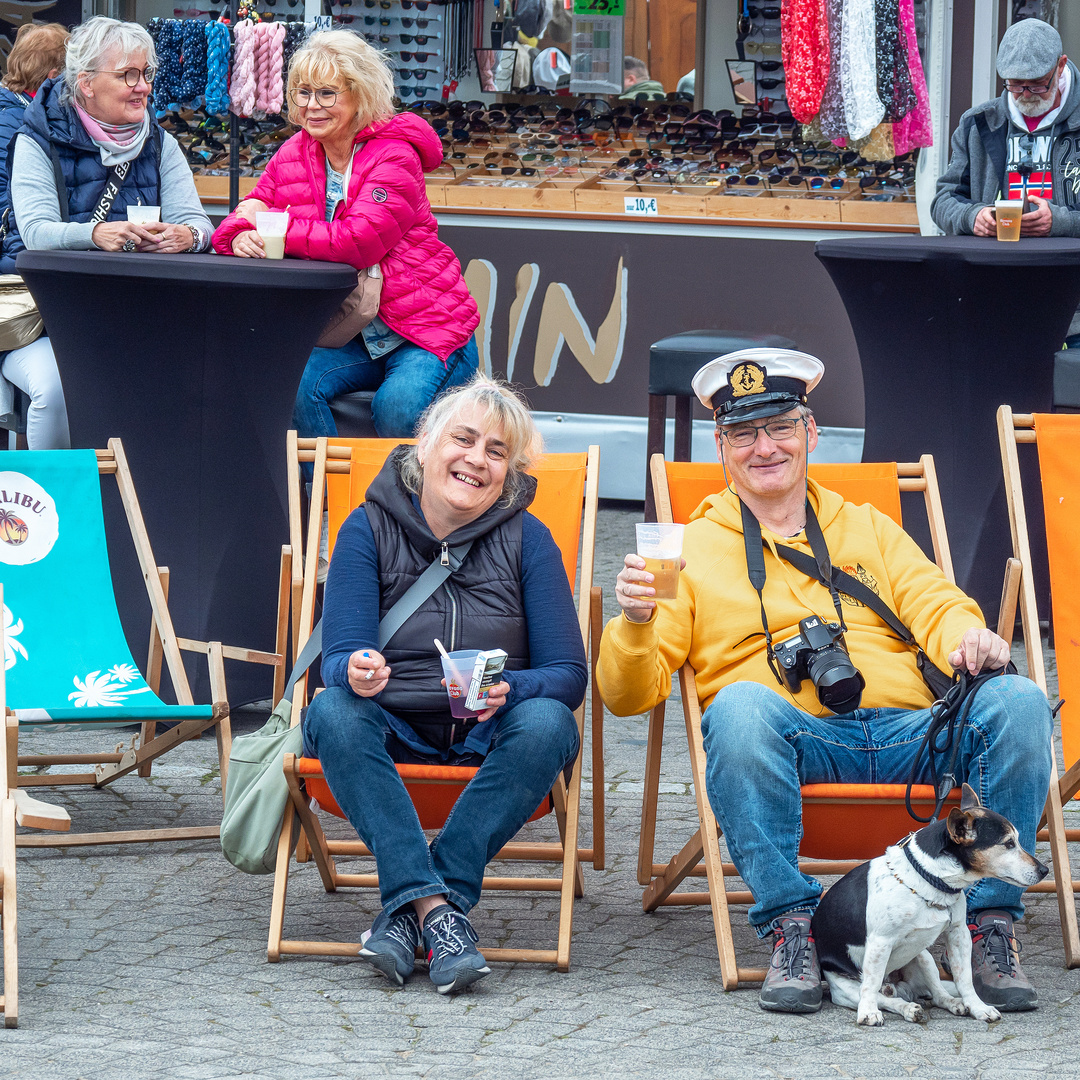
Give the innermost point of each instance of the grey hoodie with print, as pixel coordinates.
(977, 166)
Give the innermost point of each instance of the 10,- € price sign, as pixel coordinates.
(600, 7)
(639, 205)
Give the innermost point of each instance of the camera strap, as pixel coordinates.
(820, 568)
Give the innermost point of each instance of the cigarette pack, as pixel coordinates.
(486, 672)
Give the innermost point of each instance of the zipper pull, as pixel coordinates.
(444, 558)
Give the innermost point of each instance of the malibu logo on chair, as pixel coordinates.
(29, 524)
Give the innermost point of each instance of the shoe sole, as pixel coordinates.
(793, 1006)
(465, 977)
(384, 964)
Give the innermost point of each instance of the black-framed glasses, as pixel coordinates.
(747, 434)
(301, 97)
(131, 75)
(1018, 88)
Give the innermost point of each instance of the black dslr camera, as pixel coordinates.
(818, 653)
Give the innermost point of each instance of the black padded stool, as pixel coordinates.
(1067, 380)
(352, 412)
(673, 362)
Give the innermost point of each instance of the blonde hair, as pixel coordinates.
(342, 55)
(503, 408)
(39, 48)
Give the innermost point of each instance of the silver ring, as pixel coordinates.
(129, 245)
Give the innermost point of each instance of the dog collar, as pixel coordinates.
(930, 879)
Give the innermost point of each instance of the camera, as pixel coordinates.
(818, 653)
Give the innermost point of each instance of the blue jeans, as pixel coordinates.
(759, 748)
(533, 743)
(406, 381)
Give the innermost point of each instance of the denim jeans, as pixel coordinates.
(406, 381)
(759, 748)
(533, 743)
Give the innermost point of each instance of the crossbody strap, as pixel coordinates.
(423, 587)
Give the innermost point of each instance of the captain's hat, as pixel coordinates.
(752, 383)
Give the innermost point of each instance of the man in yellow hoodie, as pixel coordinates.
(763, 740)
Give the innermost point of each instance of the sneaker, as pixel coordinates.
(995, 963)
(450, 946)
(391, 943)
(793, 982)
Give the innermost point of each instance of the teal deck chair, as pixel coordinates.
(66, 660)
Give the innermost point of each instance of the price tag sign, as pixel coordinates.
(640, 205)
(323, 22)
(599, 7)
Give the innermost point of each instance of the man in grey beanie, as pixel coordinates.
(1026, 142)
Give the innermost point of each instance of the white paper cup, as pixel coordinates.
(144, 215)
(272, 226)
(660, 545)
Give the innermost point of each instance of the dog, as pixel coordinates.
(884, 915)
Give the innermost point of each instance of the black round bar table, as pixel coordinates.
(193, 361)
(948, 328)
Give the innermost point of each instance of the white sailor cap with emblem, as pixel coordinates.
(752, 383)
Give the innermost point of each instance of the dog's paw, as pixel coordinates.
(871, 1018)
(955, 1006)
(985, 1012)
(913, 1013)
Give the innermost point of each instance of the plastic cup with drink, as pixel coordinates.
(660, 545)
(271, 226)
(457, 670)
(1007, 214)
(144, 215)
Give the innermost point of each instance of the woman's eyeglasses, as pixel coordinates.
(302, 97)
(131, 75)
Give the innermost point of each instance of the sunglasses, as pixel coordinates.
(422, 23)
(408, 5)
(419, 57)
(419, 74)
(420, 39)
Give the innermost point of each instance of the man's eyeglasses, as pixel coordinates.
(1018, 88)
(131, 75)
(747, 434)
(301, 97)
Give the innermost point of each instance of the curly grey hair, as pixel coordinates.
(95, 39)
(503, 408)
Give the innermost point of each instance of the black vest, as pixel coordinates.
(479, 606)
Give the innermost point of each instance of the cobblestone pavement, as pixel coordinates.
(150, 962)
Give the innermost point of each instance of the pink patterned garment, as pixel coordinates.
(804, 47)
(916, 129)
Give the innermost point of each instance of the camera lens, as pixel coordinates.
(839, 683)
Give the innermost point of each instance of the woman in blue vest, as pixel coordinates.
(464, 482)
(91, 126)
(38, 54)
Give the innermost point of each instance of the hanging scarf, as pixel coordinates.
(116, 143)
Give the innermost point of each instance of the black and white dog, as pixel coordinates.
(884, 915)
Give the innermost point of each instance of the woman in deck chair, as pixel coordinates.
(463, 481)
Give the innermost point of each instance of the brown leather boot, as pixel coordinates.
(995, 963)
(793, 983)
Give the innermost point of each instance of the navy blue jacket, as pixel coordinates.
(12, 107)
(53, 123)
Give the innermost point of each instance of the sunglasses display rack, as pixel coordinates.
(603, 160)
(411, 32)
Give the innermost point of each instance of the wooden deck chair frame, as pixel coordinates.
(566, 799)
(1013, 429)
(9, 1002)
(661, 880)
(164, 648)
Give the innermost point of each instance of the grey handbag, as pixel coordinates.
(356, 311)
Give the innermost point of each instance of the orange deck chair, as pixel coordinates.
(843, 824)
(566, 483)
(1056, 437)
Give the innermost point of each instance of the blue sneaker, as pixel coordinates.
(390, 945)
(450, 946)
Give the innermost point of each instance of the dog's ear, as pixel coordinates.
(968, 798)
(961, 826)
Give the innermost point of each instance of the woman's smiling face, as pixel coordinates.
(464, 469)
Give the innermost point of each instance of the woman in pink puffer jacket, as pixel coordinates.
(353, 183)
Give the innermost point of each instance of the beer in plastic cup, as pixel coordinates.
(660, 546)
(144, 215)
(272, 226)
(458, 673)
(1007, 213)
